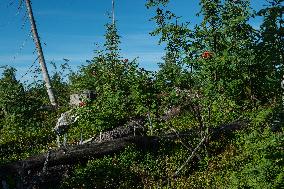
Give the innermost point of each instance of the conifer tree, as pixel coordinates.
(270, 51)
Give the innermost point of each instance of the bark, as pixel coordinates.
(113, 16)
(42, 63)
(49, 168)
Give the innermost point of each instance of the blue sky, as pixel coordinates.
(70, 28)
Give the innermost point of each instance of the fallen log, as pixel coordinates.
(32, 169)
(43, 168)
(77, 154)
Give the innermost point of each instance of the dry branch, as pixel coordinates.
(190, 157)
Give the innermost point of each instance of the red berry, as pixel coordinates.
(81, 104)
(207, 54)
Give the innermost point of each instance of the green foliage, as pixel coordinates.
(261, 161)
(151, 3)
(122, 89)
(129, 169)
(270, 51)
(108, 172)
(220, 71)
(59, 83)
(254, 161)
(23, 129)
(12, 94)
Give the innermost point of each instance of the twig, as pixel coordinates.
(185, 145)
(88, 140)
(45, 162)
(150, 122)
(190, 157)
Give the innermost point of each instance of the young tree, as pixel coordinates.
(121, 88)
(11, 93)
(173, 74)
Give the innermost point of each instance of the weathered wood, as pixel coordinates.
(132, 128)
(44, 70)
(82, 153)
(75, 154)
(113, 14)
(30, 171)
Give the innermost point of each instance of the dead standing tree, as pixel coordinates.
(42, 63)
(113, 16)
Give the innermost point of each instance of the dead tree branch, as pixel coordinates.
(190, 157)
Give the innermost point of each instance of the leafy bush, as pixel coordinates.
(108, 172)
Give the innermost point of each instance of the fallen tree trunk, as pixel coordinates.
(44, 168)
(76, 154)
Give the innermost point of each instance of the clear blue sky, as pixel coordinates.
(69, 29)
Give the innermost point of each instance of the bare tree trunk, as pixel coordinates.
(42, 63)
(113, 16)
